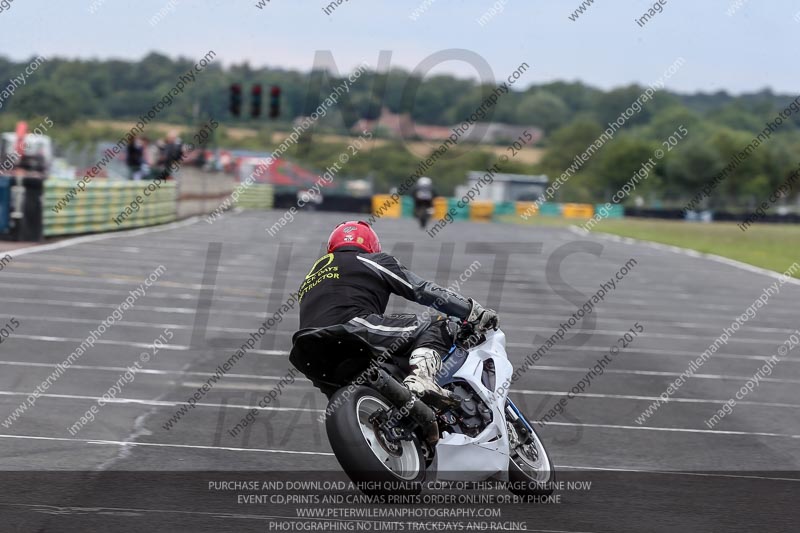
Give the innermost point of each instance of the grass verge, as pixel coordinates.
(772, 246)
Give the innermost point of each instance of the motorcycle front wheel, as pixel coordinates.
(376, 465)
(530, 469)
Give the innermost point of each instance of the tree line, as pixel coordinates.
(571, 114)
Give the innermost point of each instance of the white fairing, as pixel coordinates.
(459, 457)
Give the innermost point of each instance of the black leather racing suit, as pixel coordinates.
(347, 291)
(423, 197)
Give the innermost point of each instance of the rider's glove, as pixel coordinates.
(482, 319)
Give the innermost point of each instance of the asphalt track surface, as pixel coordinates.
(122, 472)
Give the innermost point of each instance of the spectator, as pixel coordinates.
(171, 152)
(136, 159)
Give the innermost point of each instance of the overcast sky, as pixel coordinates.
(754, 48)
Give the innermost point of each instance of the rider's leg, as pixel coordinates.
(426, 359)
(426, 340)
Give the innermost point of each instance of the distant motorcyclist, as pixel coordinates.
(348, 289)
(423, 194)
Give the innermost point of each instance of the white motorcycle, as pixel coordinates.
(382, 433)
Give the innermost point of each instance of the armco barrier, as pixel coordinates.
(257, 196)
(95, 208)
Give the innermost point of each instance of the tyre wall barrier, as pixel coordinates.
(407, 206)
(481, 211)
(526, 209)
(577, 210)
(461, 211)
(548, 209)
(95, 209)
(384, 206)
(613, 211)
(504, 209)
(440, 206)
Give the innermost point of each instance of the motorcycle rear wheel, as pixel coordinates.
(375, 465)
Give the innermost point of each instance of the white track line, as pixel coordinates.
(673, 430)
(550, 301)
(48, 338)
(160, 445)
(162, 403)
(131, 324)
(304, 381)
(188, 311)
(328, 454)
(648, 352)
(540, 368)
(542, 297)
(667, 374)
(151, 371)
(263, 293)
(548, 368)
(669, 473)
(652, 335)
(569, 350)
(650, 398)
(263, 387)
(101, 237)
(179, 347)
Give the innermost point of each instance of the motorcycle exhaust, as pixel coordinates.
(400, 397)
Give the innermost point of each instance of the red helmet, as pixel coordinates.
(354, 233)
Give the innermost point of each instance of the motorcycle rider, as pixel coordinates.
(349, 288)
(423, 194)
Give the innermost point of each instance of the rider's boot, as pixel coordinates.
(425, 363)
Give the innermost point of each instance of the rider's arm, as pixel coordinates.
(405, 283)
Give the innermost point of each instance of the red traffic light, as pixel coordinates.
(275, 102)
(235, 106)
(255, 95)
